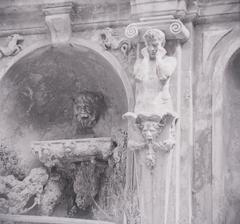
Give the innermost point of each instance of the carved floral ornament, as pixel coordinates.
(110, 40)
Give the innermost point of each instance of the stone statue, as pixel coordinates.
(152, 74)
(13, 47)
(152, 129)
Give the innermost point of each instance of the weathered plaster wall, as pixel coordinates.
(208, 168)
(231, 124)
(88, 19)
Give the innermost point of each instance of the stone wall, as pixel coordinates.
(204, 86)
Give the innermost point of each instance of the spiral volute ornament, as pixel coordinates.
(131, 30)
(176, 27)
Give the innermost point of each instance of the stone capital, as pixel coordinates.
(174, 29)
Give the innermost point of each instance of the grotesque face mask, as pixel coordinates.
(150, 130)
(87, 109)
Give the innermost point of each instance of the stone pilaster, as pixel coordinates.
(172, 170)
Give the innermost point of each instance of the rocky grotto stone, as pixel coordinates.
(19, 197)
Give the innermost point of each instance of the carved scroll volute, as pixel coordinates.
(173, 29)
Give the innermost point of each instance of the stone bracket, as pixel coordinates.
(174, 29)
(58, 20)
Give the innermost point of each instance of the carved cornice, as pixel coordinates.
(58, 8)
(196, 11)
(220, 11)
(147, 9)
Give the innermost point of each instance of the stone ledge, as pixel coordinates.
(57, 8)
(48, 220)
(61, 152)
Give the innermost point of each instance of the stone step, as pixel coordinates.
(25, 219)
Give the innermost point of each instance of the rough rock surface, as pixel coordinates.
(19, 197)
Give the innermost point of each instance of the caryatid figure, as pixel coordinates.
(152, 74)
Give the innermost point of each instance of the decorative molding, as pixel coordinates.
(151, 128)
(148, 9)
(57, 8)
(210, 40)
(219, 11)
(111, 41)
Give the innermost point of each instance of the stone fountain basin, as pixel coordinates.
(62, 152)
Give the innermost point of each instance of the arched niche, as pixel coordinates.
(231, 139)
(223, 70)
(38, 89)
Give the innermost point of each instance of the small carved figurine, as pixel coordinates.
(110, 41)
(13, 47)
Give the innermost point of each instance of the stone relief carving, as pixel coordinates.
(13, 46)
(111, 41)
(151, 129)
(19, 197)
